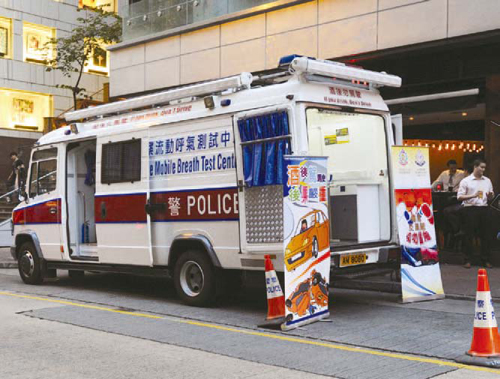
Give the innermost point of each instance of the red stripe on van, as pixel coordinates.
(203, 205)
(120, 208)
(39, 213)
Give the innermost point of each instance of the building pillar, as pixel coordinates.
(492, 130)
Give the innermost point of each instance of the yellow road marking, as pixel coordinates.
(271, 336)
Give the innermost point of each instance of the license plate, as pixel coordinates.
(352, 259)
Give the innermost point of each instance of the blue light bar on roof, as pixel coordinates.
(286, 60)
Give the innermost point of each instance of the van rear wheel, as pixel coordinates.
(194, 279)
(29, 265)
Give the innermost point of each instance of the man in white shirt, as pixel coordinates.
(474, 192)
(449, 179)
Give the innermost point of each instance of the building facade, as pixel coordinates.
(446, 51)
(28, 93)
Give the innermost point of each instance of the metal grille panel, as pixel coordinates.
(264, 214)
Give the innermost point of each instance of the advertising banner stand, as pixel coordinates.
(306, 240)
(420, 271)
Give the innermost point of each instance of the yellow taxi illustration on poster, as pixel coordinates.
(310, 237)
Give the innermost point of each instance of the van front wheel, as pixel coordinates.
(28, 264)
(194, 279)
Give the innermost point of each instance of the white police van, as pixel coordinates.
(187, 182)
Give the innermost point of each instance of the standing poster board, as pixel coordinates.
(420, 271)
(306, 240)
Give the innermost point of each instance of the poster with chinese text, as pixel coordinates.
(306, 240)
(420, 271)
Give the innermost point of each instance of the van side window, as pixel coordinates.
(43, 172)
(121, 162)
(47, 178)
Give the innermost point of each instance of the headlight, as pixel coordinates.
(306, 241)
(288, 251)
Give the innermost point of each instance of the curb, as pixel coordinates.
(8, 264)
(368, 285)
(392, 287)
(479, 361)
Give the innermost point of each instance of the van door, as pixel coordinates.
(43, 213)
(263, 137)
(121, 192)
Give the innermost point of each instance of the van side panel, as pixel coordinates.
(192, 170)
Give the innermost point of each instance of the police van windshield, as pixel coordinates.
(356, 145)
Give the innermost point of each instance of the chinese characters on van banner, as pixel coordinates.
(420, 272)
(201, 152)
(306, 240)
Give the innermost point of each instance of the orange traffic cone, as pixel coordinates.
(275, 297)
(485, 340)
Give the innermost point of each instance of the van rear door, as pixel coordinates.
(356, 144)
(263, 137)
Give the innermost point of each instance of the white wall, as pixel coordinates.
(320, 28)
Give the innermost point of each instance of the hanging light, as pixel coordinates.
(453, 147)
(433, 145)
(419, 144)
(426, 145)
(440, 147)
(474, 147)
(461, 145)
(447, 146)
(468, 146)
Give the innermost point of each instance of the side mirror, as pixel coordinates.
(22, 195)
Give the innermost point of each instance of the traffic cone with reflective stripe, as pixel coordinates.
(275, 296)
(485, 340)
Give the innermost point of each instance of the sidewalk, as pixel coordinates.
(6, 260)
(461, 282)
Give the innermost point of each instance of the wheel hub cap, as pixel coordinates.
(192, 279)
(27, 264)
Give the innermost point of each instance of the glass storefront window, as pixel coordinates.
(99, 62)
(35, 38)
(109, 5)
(5, 37)
(24, 110)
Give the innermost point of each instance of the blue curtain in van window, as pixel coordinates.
(263, 161)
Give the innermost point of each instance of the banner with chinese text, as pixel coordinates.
(306, 240)
(420, 271)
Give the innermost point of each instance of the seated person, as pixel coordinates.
(449, 179)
